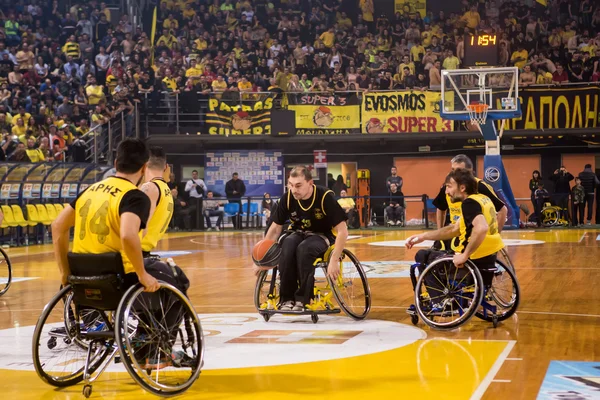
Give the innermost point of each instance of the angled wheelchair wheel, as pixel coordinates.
(550, 216)
(504, 258)
(447, 297)
(160, 339)
(351, 289)
(266, 291)
(5, 272)
(59, 346)
(503, 295)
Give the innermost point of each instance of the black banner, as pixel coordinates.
(555, 108)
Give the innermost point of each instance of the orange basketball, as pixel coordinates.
(266, 253)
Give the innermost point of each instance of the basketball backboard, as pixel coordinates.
(498, 88)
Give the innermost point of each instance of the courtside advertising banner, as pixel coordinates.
(324, 114)
(406, 111)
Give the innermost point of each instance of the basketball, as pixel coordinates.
(265, 254)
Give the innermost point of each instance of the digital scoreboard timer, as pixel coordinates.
(481, 50)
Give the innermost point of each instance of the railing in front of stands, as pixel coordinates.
(186, 112)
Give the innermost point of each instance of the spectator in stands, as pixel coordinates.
(267, 205)
(562, 188)
(395, 208)
(347, 203)
(235, 190)
(589, 182)
(339, 185)
(183, 211)
(578, 197)
(210, 208)
(394, 179)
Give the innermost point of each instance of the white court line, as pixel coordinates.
(598, 237)
(582, 237)
(493, 371)
(501, 381)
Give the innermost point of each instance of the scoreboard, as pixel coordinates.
(481, 50)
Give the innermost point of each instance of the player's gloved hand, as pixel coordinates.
(149, 282)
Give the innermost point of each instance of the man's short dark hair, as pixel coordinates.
(464, 177)
(301, 171)
(235, 174)
(463, 159)
(132, 154)
(158, 158)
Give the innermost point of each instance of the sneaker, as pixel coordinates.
(287, 306)
(180, 359)
(209, 229)
(217, 228)
(153, 363)
(298, 306)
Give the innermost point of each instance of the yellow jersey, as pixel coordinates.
(473, 206)
(444, 202)
(98, 213)
(158, 224)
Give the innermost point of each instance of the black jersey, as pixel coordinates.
(318, 214)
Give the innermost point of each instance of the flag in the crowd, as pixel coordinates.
(543, 2)
(154, 16)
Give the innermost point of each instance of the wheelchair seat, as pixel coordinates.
(98, 280)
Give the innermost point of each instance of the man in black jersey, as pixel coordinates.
(441, 201)
(317, 221)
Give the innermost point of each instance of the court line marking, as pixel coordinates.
(501, 381)
(598, 237)
(514, 359)
(489, 378)
(582, 237)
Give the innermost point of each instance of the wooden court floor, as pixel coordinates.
(383, 357)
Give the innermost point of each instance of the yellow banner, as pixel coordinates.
(409, 111)
(326, 117)
(411, 6)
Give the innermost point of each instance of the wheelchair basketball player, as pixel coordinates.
(448, 212)
(475, 236)
(317, 222)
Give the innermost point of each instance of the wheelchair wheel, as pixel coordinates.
(160, 339)
(351, 289)
(266, 291)
(447, 297)
(59, 349)
(504, 294)
(5, 272)
(550, 216)
(505, 260)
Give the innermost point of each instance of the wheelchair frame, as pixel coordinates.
(484, 296)
(9, 274)
(553, 216)
(323, 301)
(102, 346)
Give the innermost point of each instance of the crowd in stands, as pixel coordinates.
(64, 71)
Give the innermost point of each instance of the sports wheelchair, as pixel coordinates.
(463, 294)
(350, 290)
(5, 277)
(553, 216)
(102, 312)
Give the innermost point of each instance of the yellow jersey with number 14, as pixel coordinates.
(492, 242)
(158, 224)
(98, 218)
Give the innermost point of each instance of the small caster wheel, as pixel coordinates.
(266, 317)
(148, 371)
(87, 391)
(51, 343)
(495, 321)
(67, 341)
(414, 319)
(314, 318)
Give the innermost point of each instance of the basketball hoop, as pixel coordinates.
(478, 112)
